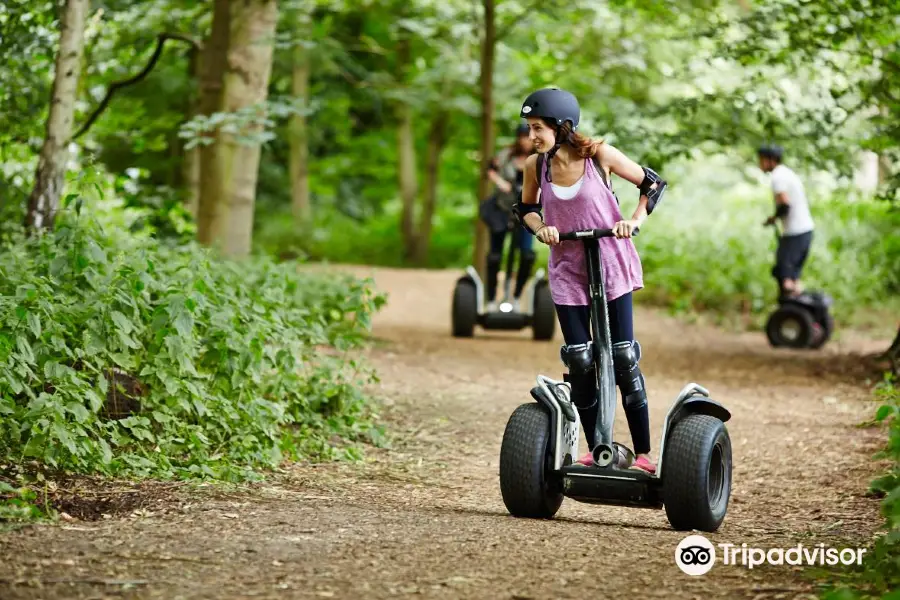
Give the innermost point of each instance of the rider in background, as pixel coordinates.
(506, 171)
(792, 207)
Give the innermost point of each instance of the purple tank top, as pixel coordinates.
(593, 207)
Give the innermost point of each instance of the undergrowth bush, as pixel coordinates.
(879, 574)
(120, 355)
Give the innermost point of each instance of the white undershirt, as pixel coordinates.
(567, 193)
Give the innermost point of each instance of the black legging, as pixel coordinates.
(523, 241)
(575, 324)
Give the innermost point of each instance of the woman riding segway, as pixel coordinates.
(572, 173)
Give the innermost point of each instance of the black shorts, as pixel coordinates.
(791, 254)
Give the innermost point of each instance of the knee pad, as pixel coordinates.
(528, 256)
(626, 356)
(579, 358)
(493, 259)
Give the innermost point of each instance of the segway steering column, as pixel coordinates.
(604, 452)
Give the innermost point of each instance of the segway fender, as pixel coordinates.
(565, 425)
(473, 277)
(693, 399)
(704, 406)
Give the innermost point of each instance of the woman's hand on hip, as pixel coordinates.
(548, 234)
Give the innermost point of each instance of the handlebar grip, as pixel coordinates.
(591, 234)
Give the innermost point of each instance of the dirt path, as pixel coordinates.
(425, 518)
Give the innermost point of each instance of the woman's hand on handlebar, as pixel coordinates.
(548, 234)
(624, 229)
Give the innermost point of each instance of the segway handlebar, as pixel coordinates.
(591, 234)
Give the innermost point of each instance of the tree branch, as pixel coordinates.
(160, 42)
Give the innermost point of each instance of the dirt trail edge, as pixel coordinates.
(425, 517)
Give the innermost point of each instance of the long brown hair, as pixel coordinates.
(584, 146)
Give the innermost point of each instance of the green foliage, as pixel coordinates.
(121, 355)
(18, 503)
(879, 575)
(824, 75)
(335, 237)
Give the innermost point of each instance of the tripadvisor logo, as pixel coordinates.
(696, 555)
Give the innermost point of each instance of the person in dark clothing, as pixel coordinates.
(506, 171)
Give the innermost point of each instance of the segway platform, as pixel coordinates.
(609, 485)
(500, 319)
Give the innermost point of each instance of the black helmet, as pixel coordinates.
(522, 129)
(772, 151)
(552, 103)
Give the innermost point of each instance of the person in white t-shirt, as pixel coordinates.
(792, 208)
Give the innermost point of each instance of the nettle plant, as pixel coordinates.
(126, 356)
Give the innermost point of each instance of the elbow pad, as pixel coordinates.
(781, 210)
(520, 209)
(654, 196)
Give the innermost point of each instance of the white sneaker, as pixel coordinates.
(517, 307)
(491, 307)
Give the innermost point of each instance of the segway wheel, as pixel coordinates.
(529, 487)
(544, 319)
(697, 473)
(465, 309)
(790, 326)
(823, 331)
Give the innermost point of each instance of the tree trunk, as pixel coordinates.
(299, 143)
(190, 160)
(893, 352)
(884, 168)
(489, 43)
(51, 170)
(406, 156)
(213, 61)
(437, 139)
(250, 50)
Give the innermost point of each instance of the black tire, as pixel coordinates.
(826, 328)
(785, 315)
(465, 309)
(543, 323)
(697, 473)
(528, 488)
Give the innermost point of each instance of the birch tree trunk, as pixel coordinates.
(51, 170)
(250, 51)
